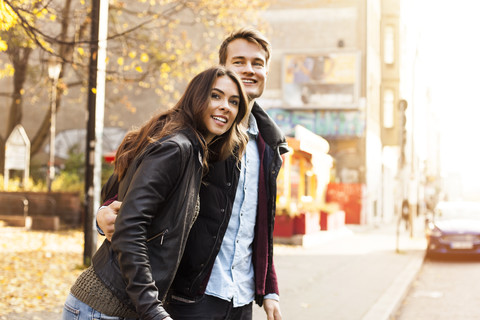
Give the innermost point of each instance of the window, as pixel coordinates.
(389, 45)
(388, 108)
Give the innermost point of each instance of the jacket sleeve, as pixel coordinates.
(110, 189)
(271, 284)
(153, 181)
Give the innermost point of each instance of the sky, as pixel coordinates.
(450, 39)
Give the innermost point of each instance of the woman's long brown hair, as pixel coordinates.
(187, 113)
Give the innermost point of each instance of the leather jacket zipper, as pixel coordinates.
(161, 234)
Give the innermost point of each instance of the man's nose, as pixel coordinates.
(248, 68)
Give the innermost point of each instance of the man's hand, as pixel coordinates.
(272, 309)
(106, 218)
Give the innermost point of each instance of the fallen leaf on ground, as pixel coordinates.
(37, 268)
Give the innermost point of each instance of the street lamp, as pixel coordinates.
(54, 68)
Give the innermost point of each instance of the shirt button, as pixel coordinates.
(233, 267)
(229, 184)
(222, 210)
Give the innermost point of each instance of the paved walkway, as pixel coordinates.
(356, 273)
(353, 273)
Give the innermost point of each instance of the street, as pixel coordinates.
(444, 289)
(358, 275)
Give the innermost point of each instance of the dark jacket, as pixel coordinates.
(217, 195)
(159, 194)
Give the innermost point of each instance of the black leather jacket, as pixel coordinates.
(159, 194)
(217, 196)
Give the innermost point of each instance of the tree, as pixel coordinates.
(154, 46)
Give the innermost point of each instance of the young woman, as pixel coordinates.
(159, 168)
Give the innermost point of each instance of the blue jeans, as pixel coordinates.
(75, 309)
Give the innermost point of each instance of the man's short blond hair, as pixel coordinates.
(251, 35)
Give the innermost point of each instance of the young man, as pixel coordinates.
(228, 260)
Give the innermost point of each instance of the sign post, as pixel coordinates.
(17, 154)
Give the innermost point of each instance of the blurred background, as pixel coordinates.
(387, 86)
(378, 99)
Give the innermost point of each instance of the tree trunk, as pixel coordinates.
(19, 58)
(42, 134)
(65, 51)
(2, 154)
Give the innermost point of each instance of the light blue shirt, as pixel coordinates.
(232, 277)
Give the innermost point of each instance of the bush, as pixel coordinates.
(70, 178)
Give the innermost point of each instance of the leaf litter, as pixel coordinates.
(37, 269)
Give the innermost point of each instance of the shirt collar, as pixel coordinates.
(252, 126)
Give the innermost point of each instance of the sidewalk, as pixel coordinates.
(349, 274)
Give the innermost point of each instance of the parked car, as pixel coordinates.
(454, 229)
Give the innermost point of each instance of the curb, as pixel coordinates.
(387, 305)
(313, 239)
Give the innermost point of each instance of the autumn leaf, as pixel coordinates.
(3, 45)
(37, 269)
(144, 57)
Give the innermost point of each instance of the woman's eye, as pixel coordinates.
(215, 95)
(234, 102)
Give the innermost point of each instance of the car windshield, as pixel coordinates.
(457, 210)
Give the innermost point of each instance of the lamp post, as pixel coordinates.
(54, 68)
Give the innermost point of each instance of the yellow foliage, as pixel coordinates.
(120, 61)
(8, 18)
(7, 71)
(164, 68)
(81, 51)
(94, 90)
(17, 185)
(139, 69)
(132, 54)
(144, 57)
(3, 45)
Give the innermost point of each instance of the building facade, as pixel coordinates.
(336, 71)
